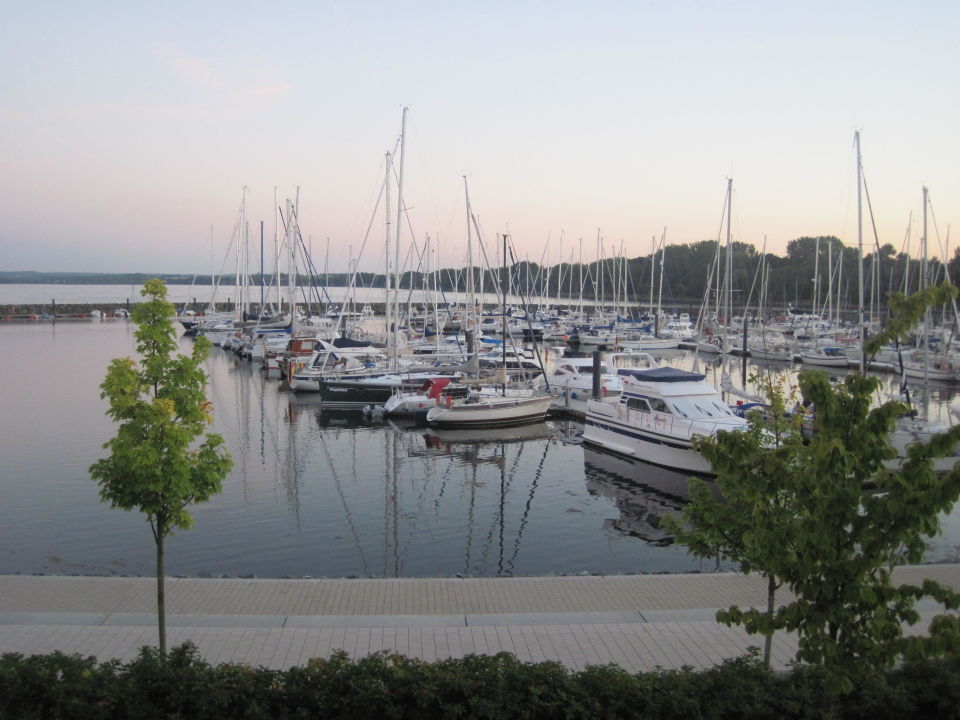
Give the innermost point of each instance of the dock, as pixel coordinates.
(639, 622)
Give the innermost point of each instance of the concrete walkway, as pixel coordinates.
(638, 621)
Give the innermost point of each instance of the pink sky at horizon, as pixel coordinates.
(127, 132)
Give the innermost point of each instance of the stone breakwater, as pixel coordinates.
(68, 311)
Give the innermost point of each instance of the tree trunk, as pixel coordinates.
(768, 640)
(161, 607)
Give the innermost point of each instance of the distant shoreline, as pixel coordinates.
(29, 277)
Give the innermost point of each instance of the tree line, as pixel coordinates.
(785, 281)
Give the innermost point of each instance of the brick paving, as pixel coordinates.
(638, 622)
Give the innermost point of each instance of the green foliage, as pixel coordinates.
(799, 512)
(906, 312)
(54, 686)
(751, 524)
(156, 464)
(161, 408)
(182, 685)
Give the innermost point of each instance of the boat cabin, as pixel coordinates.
(671, 391)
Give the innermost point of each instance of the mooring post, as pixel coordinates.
(596, 374)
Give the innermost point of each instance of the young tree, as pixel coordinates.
(156, 464)
(749, 520)
(799, 513)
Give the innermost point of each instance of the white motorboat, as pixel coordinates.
(571, 381)
(433, 392)
(335, 363)
(659, 413)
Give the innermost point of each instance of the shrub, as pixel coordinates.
(386, 686)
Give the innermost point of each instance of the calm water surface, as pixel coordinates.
(320, 494)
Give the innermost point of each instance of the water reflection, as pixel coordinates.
(644, 494)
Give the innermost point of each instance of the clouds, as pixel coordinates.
(233, 85)
(196, 69)
(269, 91)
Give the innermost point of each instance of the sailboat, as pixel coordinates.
(913, 427)
(489, 407)
(770, 344)
(825, 356)
(714, 341)
(655, 340)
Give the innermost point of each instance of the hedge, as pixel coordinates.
(499, 686)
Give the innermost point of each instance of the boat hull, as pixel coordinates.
(915, 372)
(654, 436)
(353, 395)
(821, 361)
(676, 454)
(494, 412)
(650, 344)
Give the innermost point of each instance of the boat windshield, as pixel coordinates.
(707, 406)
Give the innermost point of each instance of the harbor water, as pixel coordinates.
(321, 494)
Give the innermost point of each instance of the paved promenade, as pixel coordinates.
(638, 621)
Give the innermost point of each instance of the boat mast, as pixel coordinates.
(471, 293)
(396, 319)
(830, 281)
(653, 267)
(559, 271)
(924, 282)
(239, 257)
(262, 288)
(580, 298)
(729, 269)
(291, 263)
(503, 313)
(861, 326)
(213, 277)
(386, 284)
(276, 248)
(663, 249)
(815, 305)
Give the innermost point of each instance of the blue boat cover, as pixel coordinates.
(661, 374)
(345, 342)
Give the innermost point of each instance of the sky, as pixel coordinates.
(128, 129)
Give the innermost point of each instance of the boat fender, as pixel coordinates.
(449, 401)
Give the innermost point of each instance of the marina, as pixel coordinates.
(321, 493)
